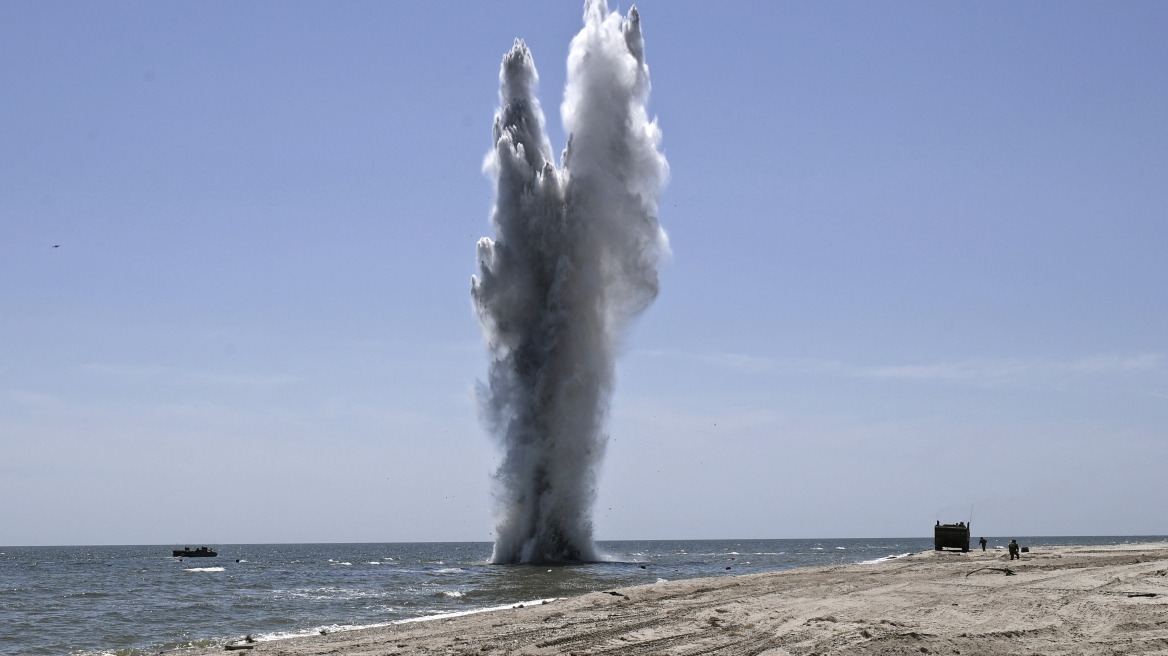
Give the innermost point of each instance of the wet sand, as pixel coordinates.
(1057, 600)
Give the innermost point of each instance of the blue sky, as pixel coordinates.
(918, 266)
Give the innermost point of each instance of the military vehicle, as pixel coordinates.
(951, 536)
(201, 552)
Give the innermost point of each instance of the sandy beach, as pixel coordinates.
(1055, 600)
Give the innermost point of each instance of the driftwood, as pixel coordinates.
(1007, 570)
(237, 646)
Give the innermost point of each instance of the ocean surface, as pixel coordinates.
(130, 600)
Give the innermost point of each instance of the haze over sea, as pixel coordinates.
(130, 600)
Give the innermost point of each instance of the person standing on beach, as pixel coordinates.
(1014, 550)
(982, 542)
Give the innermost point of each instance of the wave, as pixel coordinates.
(202, 569)
(329, 593)
(442, 616)
(883, 559)
(341, 628)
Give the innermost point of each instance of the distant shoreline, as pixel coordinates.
(1054, 600)
(1064, 540)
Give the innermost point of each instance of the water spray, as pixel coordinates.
(573, 261)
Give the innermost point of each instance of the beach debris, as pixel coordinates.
(1142, 594)
(1007, 570)
(245, 643)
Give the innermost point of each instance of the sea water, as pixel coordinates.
(139, 600)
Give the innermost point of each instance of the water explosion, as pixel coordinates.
(574, 259)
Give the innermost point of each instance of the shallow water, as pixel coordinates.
(137, 599)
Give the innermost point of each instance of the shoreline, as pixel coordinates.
(1055, 600)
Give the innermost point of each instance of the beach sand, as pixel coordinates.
(1058, 600)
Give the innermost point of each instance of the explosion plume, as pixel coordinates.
(574, 259)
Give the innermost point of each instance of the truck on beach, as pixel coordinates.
(951, 536)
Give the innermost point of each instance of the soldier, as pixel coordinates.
(1014, 550)
(982, 542)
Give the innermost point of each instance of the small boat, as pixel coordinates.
(201, 552)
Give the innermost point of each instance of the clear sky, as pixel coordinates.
(919, 264)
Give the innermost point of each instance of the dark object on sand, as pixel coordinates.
(1142, 594)
(951, 536)
(1025, 549)
(1007, 570)
(201, 552)
(238, 647)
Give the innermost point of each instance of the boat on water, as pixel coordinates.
(201, 552)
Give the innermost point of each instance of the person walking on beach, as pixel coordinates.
(982, 542)
(1014, 550)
